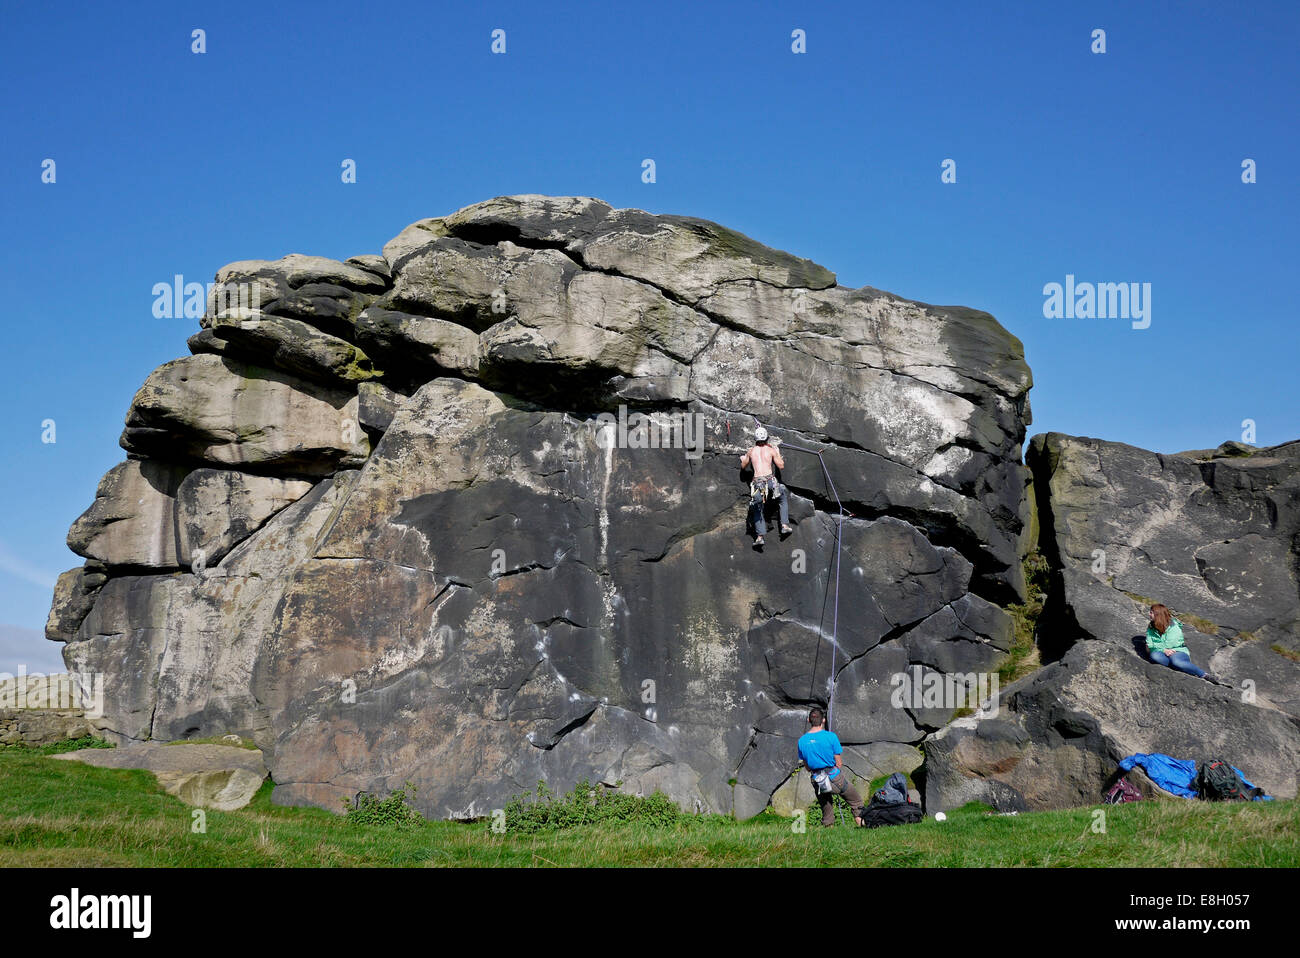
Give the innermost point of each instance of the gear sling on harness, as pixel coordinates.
(767, 487)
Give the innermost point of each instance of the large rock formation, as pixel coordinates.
(375, 523)
(1213, 534)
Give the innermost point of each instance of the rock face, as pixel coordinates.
(147, 514)
(1212, 534)
(441, 545)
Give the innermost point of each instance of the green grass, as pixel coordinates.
(1203, 626)
(67, 814)
(55, 748)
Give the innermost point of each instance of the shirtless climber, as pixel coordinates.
(762, 456)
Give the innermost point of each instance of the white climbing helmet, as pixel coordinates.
(760, 434)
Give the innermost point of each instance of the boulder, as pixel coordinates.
(410, 346)
(288, 344)
(1057, 736)
(418, 234)
(156, 515)
(74, 595)
(528, 219)
(132, 520)
(220, 777)
(228, 413)
(322, 293)
(524, 555)
(297, 271)
(432, 638)
(687, 257)
(377, 405)
(216, 509)
(372, 263)
(1211, 535)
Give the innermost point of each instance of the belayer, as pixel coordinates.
(763, 456)
(820, 751)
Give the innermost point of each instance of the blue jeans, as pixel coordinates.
(756, 506)
(1179, 660)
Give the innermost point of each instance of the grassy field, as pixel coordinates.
(57, 813)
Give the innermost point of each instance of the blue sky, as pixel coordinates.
(1115, 167)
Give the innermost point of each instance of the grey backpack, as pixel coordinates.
(893, 792)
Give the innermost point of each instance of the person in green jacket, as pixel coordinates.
(1165, 645)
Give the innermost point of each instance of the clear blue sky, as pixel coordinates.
(1118, 167)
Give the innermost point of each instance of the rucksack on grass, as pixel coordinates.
(1122, 791)
(893, 792)
(877, 814)
(1217, 781)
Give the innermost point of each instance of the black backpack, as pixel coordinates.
(877, 814)
(890, 805)
(1217, 781)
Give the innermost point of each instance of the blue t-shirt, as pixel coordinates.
(818, 750)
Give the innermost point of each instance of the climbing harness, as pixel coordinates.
(767, 487)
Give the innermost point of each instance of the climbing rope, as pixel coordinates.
(835, 619)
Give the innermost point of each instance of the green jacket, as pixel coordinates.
(1171, 641)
